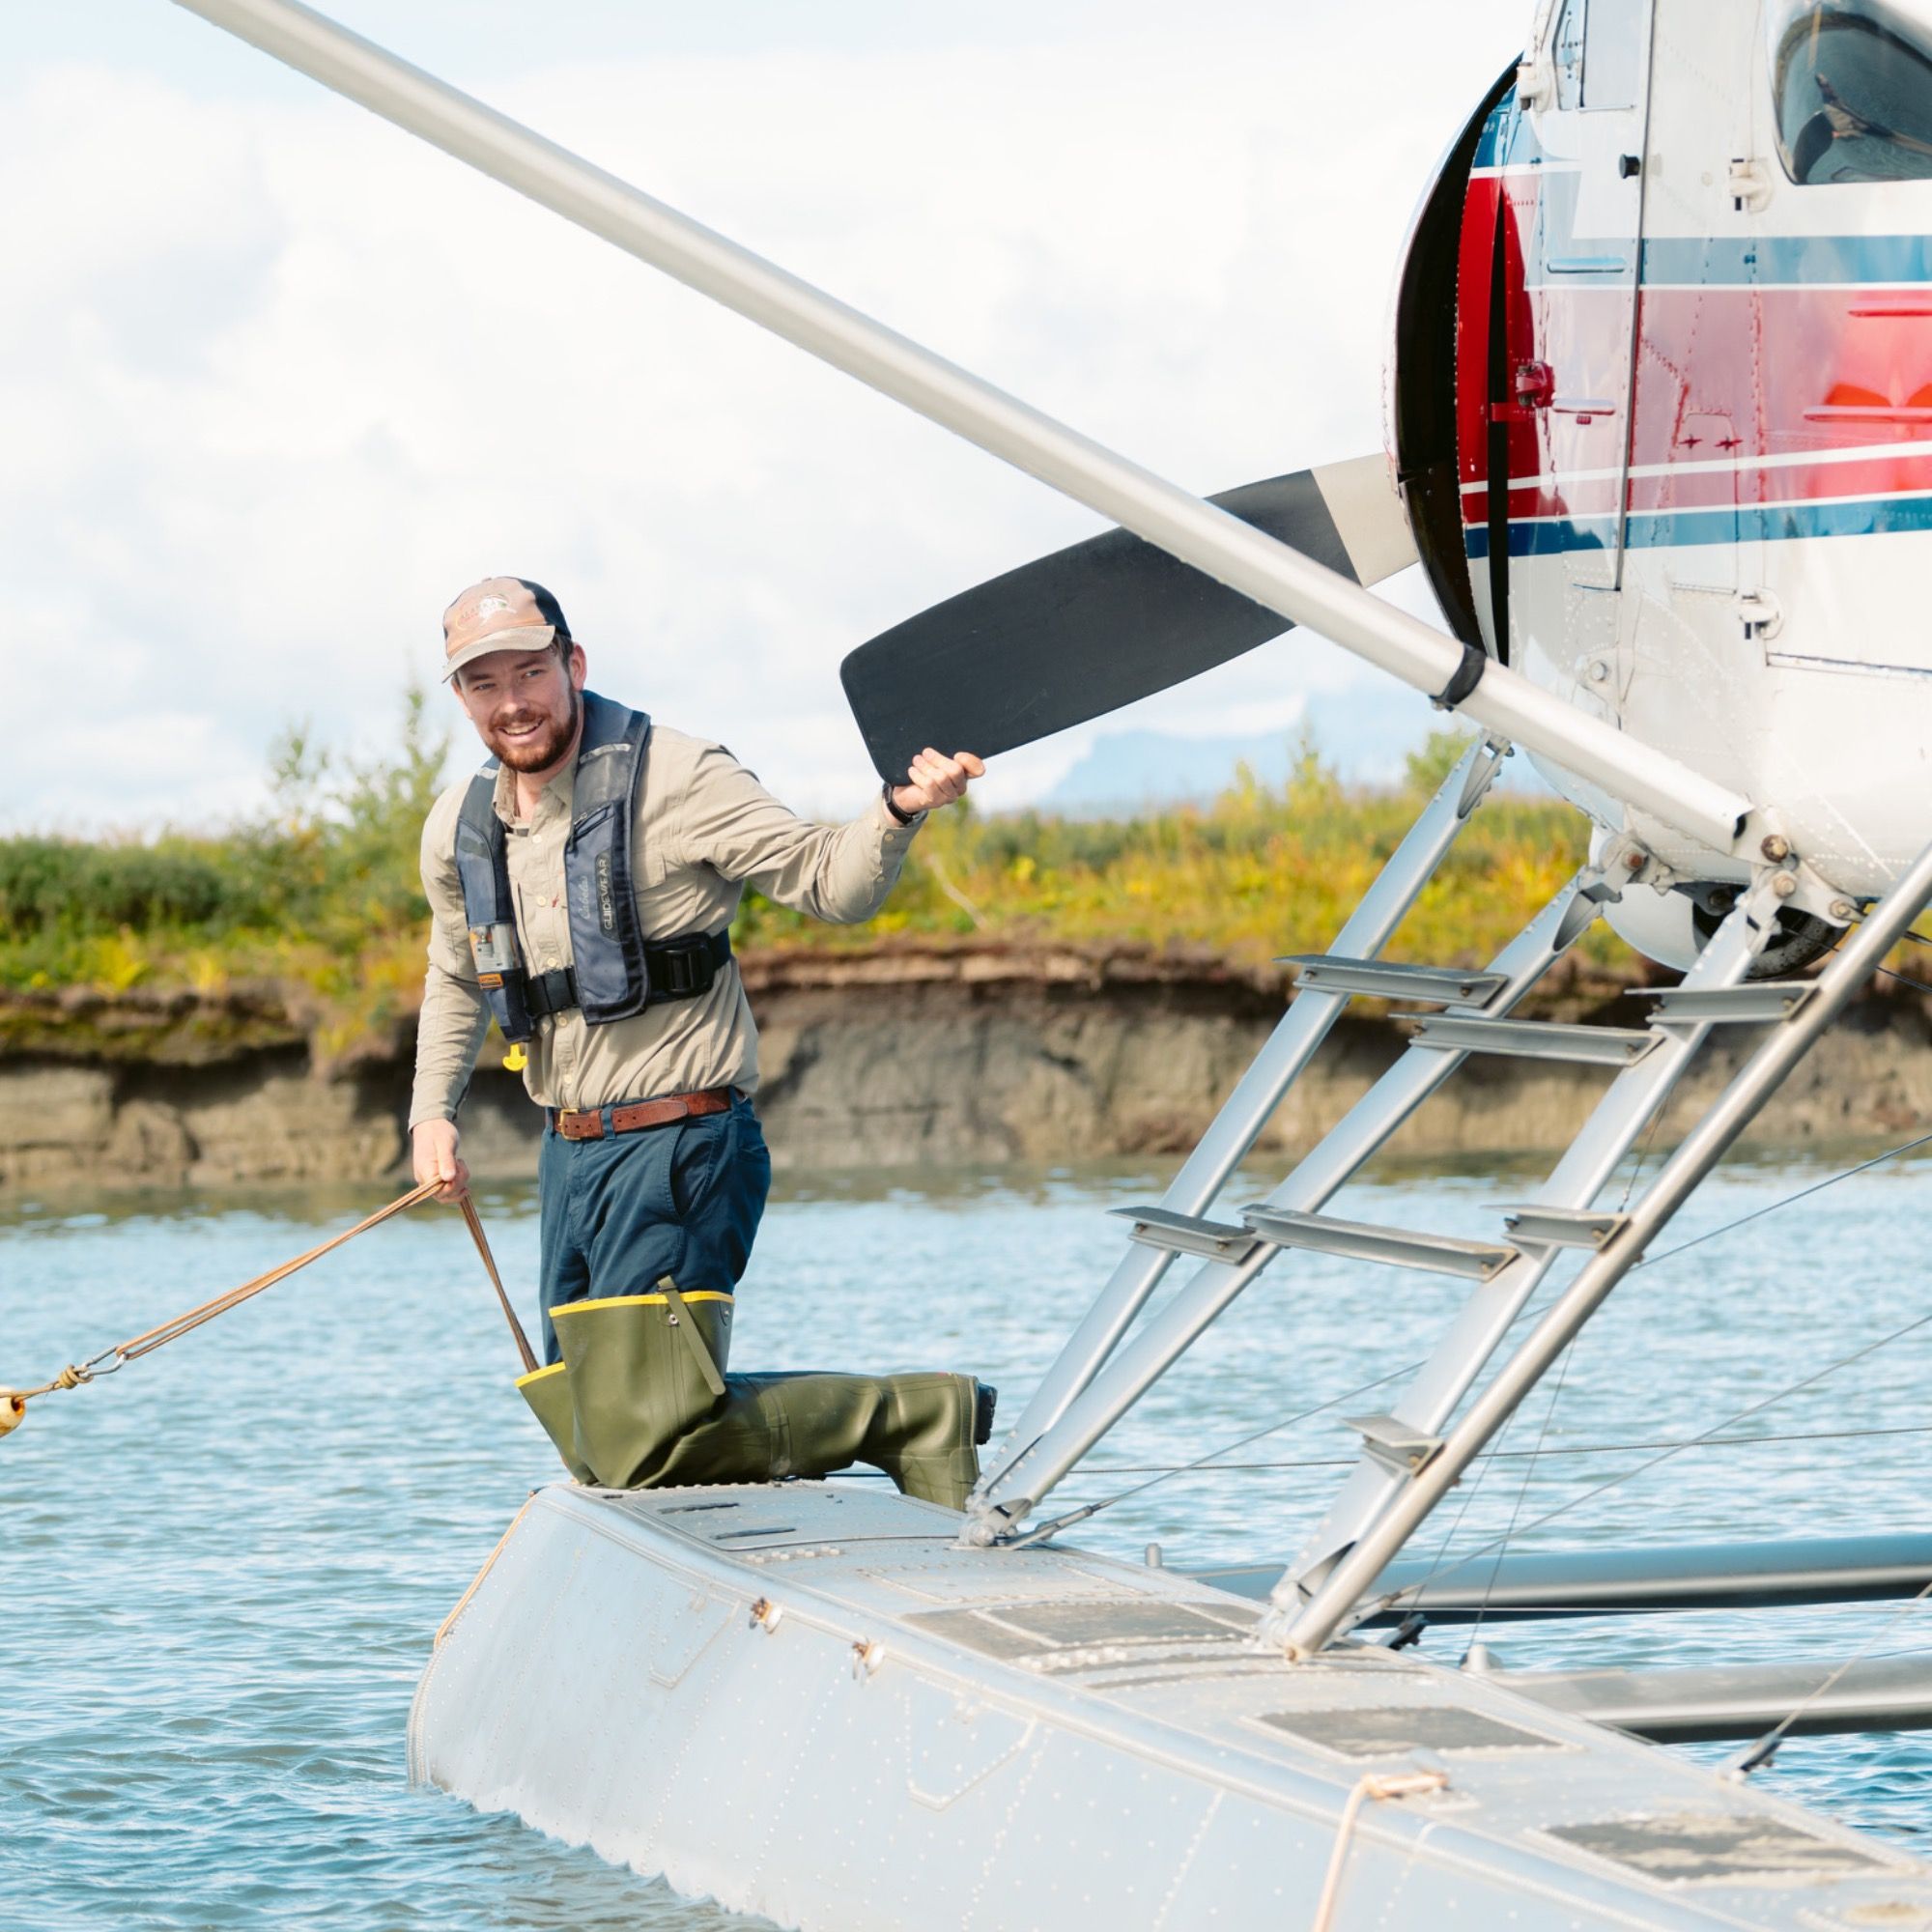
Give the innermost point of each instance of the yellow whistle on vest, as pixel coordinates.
(516, 1060)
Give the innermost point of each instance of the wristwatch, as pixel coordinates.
(904, 817)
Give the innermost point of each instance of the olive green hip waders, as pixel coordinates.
(641, 1401)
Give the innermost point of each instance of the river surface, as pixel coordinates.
(220, 1571)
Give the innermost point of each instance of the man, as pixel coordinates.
(582, 888)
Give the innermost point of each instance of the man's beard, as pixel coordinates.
(538, 753)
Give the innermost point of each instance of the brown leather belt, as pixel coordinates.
(590, 1126)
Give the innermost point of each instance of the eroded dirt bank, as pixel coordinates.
(897, 1058)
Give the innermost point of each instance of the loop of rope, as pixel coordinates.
(70, 1376)
(14, 1402)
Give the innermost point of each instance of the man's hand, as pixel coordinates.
(433, 1145)
(936, 781)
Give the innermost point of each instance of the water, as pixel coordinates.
(222, 1569)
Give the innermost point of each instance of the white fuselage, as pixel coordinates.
(1719, 439)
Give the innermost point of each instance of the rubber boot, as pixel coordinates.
(651, 1407)
(919, 1429)
(548, 1393)
(643, 1371)
(923, 1436)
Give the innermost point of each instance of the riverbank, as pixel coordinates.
(900, 1056)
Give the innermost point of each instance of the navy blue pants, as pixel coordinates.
(621, 1212)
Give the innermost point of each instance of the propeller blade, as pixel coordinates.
(1089, 628)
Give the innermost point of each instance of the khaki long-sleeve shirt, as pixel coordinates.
(705, 829)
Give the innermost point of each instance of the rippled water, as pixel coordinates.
(221, 1570)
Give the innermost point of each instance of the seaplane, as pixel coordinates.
(1658, 415)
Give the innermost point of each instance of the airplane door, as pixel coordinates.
(1584, 297)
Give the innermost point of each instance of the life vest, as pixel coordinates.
(614, 975)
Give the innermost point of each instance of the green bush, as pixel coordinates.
(330, 865)
(63, 886)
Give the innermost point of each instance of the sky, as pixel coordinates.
(279, 380)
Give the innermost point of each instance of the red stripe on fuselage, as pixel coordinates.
(1726, 372)
(1789, 370)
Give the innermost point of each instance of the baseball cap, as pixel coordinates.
(501, 614)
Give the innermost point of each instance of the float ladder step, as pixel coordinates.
(1361, 1240)
(1535, 1040)
(1189, 1235)
(1380, 978)
(1396, 1444)
(1754, 1003)
(1562, 1227)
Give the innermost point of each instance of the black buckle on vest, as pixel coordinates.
(683, 970)
(548, 994)
(687, 968)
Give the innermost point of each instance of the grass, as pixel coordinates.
(318, 898)
(1262, 871)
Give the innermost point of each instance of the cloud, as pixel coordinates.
(279, 380)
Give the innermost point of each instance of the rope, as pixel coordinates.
(184, 1324)
(475, 1224)
(14, 1402)
(1381, 1786)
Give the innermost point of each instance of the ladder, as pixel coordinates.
(1326, 1589)
(1102, 1372)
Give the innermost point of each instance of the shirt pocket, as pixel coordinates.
(647, 864)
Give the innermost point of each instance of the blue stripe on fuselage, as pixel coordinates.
(1773, 260)
(1748, 523)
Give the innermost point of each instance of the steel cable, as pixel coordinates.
(1522, 1455)
(1762, 1750)
(1695, 1441)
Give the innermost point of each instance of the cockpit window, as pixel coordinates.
(1851, 84)
(1613, 47)
(1597, 49)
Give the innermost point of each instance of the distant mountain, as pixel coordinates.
(1365, 743)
